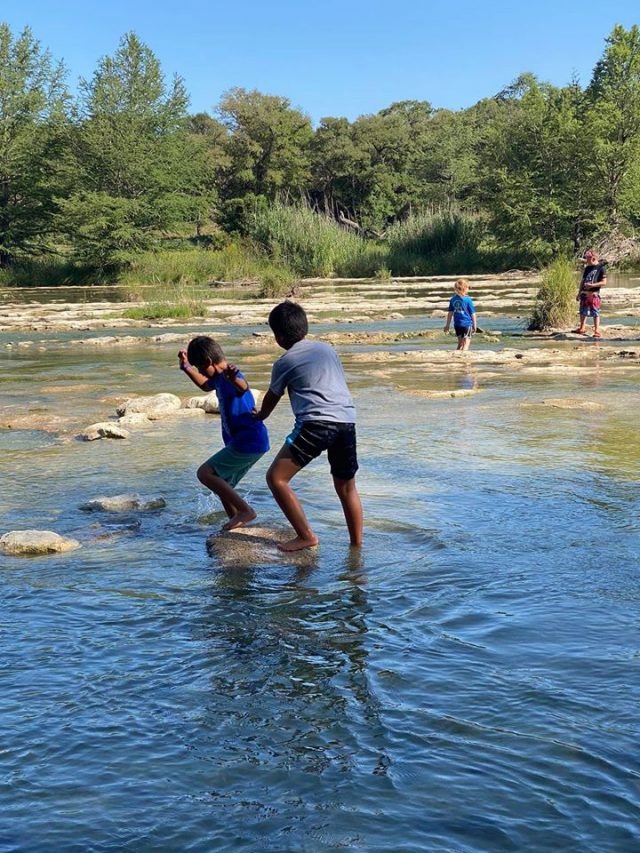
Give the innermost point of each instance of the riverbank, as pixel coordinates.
(326, 300)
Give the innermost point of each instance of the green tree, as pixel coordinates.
(140, 169)
(333, 166)
(533, 166)
(33, 125)
(268, 145)
(613, 117)
(444, 161)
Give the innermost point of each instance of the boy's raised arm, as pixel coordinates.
(192, 372)
(269, 402)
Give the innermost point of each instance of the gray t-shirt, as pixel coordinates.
(312, 373)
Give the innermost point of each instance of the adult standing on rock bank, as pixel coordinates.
(593, 278)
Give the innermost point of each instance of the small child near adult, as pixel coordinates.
(325, 418)
(246, 440)
(594, 276)
(463, 314)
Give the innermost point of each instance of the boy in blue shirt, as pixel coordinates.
(312, 375)
(245, 438)
(463, 314)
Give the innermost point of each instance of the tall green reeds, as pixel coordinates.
(310, 243)
(555, 305)
(315, 245)
(440, 243)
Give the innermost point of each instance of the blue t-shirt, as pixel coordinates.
(240, 430)
(463, 310)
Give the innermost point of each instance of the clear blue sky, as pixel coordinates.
(336, 57)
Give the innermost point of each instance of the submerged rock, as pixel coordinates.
(154, 407)
(444, 395)
(246, 547)
(106, 429)
(186, 413)
(123, 503)
(572, 403)
(134, 419)
(24, 543)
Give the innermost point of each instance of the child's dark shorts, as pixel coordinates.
(462, 331)
(310, 439)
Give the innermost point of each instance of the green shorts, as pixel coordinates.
(231, 465)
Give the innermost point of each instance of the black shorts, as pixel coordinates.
(339, 440)
(463, 331)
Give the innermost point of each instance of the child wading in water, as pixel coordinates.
(325, 420)
(245, 438)
(463, 314)
(594, 277)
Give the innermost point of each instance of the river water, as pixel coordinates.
(468, 682)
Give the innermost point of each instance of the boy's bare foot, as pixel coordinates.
(239, 520)
(298, 544)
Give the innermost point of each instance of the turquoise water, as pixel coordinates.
(468, 682)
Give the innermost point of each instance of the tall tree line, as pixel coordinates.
(102, 175)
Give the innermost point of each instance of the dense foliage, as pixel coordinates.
(534, 172)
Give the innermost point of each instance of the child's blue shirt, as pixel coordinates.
(463, 310)
(240, 430)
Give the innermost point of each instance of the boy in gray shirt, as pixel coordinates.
(325, 420)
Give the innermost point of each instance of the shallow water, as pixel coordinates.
(468, 682)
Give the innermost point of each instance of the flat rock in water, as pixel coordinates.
(25, 543)
(154, 407)
(570, 403)
(186, 413)
(104, 430)
(444, 395)
(248, 546)
(123, 503)
(134, 419)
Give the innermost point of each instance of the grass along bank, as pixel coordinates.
(282, 243)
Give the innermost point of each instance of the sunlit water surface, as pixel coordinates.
(468, 682)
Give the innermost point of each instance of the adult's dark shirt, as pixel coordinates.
(593, 273)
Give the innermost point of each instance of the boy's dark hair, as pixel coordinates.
(203, 348)
(289, 323)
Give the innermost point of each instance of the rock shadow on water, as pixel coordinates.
(248, 547)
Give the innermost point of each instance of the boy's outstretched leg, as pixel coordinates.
(239, 511)
(282, 469)
(351, 506)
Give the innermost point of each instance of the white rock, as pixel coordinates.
(32, 542)
(134, 419)
(155, 406)
(123, 503)
(106, 429)
(186, 413)
(208, 402)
